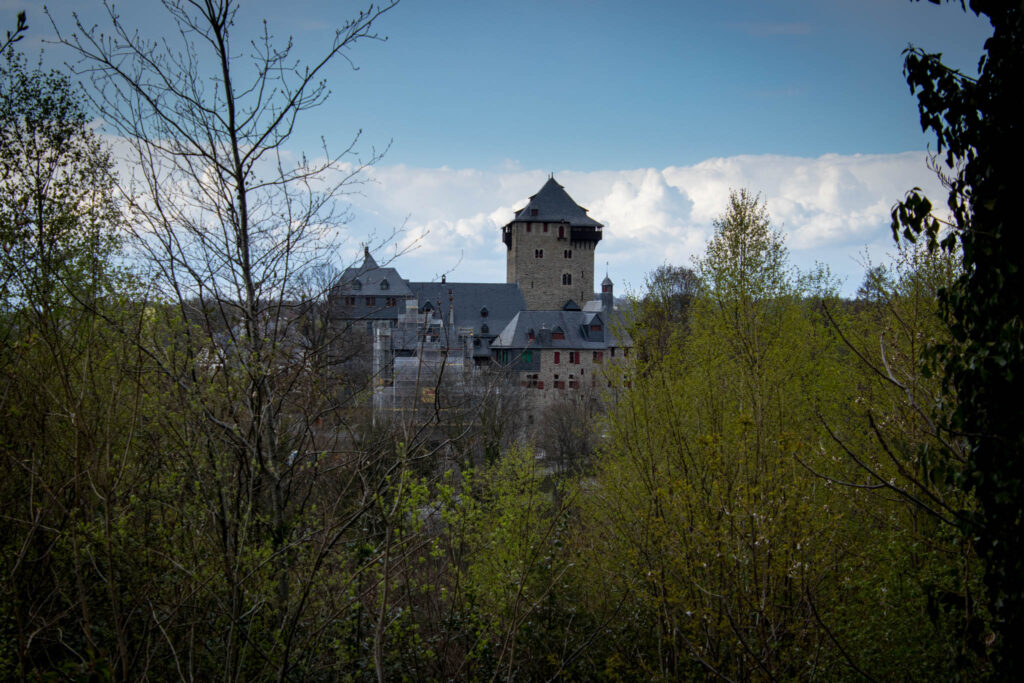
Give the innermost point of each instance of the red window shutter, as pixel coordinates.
(557, 357)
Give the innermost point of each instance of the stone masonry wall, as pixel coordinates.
(539, 259)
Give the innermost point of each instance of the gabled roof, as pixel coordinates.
(369, 279)
(516, 333)
(554, 205)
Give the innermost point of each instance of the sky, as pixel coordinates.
(648, 113)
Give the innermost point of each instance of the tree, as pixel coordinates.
(57, 200)
(72, 394)
(18, 34)
(661, 317)
(977, 127)
(232, 233)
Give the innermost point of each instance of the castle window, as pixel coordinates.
(558, 333)
(545, 227)
(538, 253)
(559, 384)
(558, 357)
(529, 334)
(598, 356)
(483, 312)
(574, 357)
(371, 301)
(384, 284)
(595, 328)
(533, 212)
(391, 302)
(484, 329)
(357, 285)
(567, 253)
(528, 225)
(566, 278)
(613, 352)
(561, 232)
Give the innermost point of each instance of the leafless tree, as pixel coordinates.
(234, 233)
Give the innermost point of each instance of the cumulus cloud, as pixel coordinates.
(832, 209)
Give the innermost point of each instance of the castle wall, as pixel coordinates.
(539, 260)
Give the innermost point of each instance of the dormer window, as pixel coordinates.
(530, 335)
(558, 333)
(483, 312)
(384, 284)
(484, 329)
(357, 285)
(427, 307)
(533, 212)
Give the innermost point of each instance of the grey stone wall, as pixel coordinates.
(539, 260)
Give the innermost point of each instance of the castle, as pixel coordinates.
(543, 327)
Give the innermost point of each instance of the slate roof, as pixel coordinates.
(369, 279)
(574, 324)
(554, 205)
(501, 301)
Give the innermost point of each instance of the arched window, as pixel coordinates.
(384, 284)
(357, 285)
(483, 312)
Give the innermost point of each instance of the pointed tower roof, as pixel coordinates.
(368, 261)
(606, 281)
(554, 205)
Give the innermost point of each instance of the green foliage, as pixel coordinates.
(57, 192)
(976, 124)
(727, 519)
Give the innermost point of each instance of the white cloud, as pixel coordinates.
(831, 208)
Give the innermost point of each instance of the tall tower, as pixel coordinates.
(551, 243)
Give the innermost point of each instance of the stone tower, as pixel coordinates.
(551, 243)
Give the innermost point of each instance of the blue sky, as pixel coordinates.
(647, 112)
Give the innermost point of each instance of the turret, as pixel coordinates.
(607, 294)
